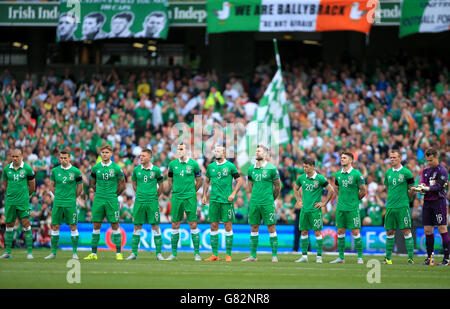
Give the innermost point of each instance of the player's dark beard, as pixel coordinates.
(259, 158)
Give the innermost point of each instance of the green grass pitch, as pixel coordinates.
(148, 273)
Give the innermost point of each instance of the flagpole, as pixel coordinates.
(277, 55)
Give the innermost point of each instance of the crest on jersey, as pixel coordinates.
(264, 173)
(188, 169)
(22, 173)
(350, 179)
(401, 177)
(316, 183)
(152, 175)
(71, 176)
(111, 172)
(225, 172)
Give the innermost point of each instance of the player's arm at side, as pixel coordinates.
(134, 181)
(276, 185)
(410, 184)
(330, 193)
(206, 189)
(198, 177)
(160, 182)
(31, 182)
(249, 186)
(79, 182)
(121, 182)
(93, 182)
(362, 188)
(169, 178)
(239, 183)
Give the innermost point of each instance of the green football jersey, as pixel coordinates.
(66, 180)
(397, 182)
(221, 176)
(183, 174)
(146, 182)
(107, 177)
(262, 179)
(17, 191)
(348, 183)
(312, 189)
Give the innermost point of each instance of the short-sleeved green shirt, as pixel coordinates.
(262, 178)
(221, 176)
(17, 192)
(397, 182)
(146, 182)
(107, 177)
(183, 174)
(66, 180)
(312, 189)
(348, 183)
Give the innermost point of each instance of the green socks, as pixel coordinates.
(319, 243)
(54, 241)
(215, 242)
(157, 238)
(409, 242)
(195, 234)
(117, 240)
(229, 241)
(304, 242)
(95, 240)
(135, 242)
(174, 240)
(9, 235)
(253, 243)
(358, 246)
(274, 243)
(389, 246)
(29, 240)
(74, 237)
(341, 246)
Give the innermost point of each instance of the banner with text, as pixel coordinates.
(374, 238)
(111, 19)
(290, 15)
(424, 16)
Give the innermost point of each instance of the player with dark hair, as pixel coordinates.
(308, 190)
(66, 184)
(350, 188)
(120, 25)
(433, 183)
(92, 26)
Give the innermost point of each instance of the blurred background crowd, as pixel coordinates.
(364, 108)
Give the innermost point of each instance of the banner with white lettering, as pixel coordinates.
(111, 19)
(290, 15)
(424, 16)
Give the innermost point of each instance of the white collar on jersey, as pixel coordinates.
(262, 165)
(68, 168)
(12, 165)
(398, 169)
(313, 176)
(149, 168)
(348, 171)
(187, 159)
(225, 161)
(107, 164)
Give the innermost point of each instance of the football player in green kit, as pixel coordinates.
(308, 190)
(107, 181)
(66, 184)
(220, 175)
(184, 181)
(148, 185)
(350, 188)
(399, 182)
(264, 187)
(20, 185)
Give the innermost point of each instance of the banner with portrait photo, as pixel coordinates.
(81, 20)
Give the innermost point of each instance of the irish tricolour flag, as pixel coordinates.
(290, 15)
(424, 16)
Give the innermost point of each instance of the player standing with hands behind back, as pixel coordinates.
(433, 183)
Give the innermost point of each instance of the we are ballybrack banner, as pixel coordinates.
(290, 15)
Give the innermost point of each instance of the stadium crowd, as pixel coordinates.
(396, 102)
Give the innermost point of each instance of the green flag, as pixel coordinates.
(424, 16)
(270, 124)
